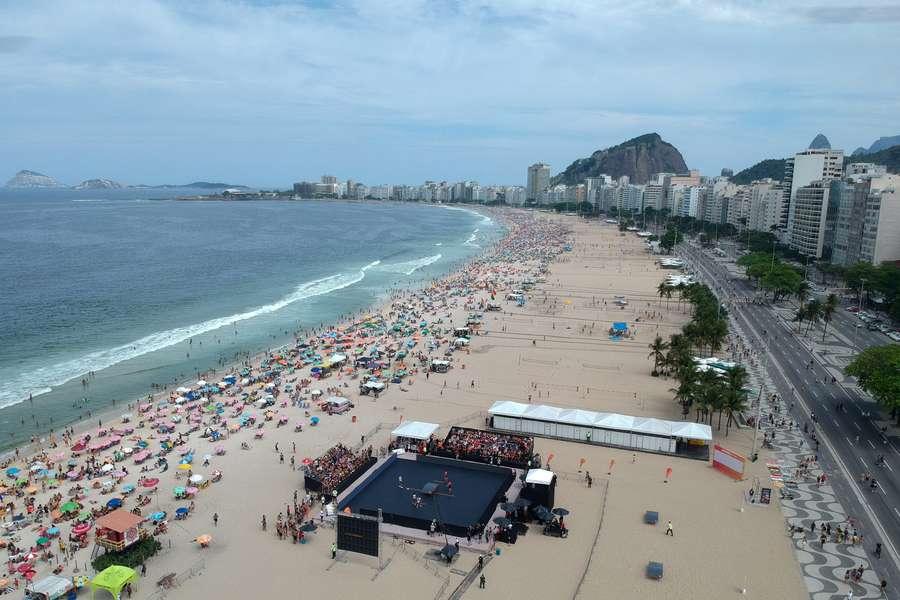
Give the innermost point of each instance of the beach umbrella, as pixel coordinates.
(68, 507)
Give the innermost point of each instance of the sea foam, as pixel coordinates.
(17, 388)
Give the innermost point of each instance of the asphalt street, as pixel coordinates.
(850, 439)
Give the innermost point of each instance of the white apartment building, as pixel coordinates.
(806, 167)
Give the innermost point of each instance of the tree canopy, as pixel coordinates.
(878, 371)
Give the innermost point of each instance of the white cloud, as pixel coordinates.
(361, 87)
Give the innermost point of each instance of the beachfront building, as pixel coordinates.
(537, 183)
(808, 218)
(814, 164)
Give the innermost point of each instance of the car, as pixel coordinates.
(853, 309)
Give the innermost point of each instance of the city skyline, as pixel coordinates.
(269, 93)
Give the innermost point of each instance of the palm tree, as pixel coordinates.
(658, 352)
(832, 302)
(813, 312)
(662, 289)
(735, 394)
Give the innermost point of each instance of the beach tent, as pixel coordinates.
(50, 588)
(113, 579)
(416, 430)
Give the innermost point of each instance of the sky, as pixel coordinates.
(389, 91)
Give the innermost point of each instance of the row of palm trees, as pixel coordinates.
(814, 310)
(707, 392)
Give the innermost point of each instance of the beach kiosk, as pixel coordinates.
(540, 487)
(440, 366)
(119, 530)
(413, 433)
(113, 579)
(51, 588)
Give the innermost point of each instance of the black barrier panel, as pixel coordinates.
(356, 533)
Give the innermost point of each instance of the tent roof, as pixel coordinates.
(415, 429)
(114, 578)
(692, 431)
(589, 418)
(539, 476)
(119, 520)
(52, 586)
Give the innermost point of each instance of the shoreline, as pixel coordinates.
(111, 411)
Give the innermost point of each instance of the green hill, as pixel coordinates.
(771, 167)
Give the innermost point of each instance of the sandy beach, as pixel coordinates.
(553, 350)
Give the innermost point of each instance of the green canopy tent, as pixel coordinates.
(113, 579)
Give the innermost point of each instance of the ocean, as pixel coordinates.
(143, 290)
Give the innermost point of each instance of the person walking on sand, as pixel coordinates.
(670, 530)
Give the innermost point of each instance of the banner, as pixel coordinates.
(728, 462)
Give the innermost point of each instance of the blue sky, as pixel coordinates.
(390, 91)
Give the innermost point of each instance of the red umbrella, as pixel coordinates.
(151, 482)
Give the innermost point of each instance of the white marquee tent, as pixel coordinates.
(609, 429)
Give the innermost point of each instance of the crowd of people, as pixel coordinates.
(338, 463)
(486, 446)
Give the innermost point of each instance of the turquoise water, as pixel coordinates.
(147, 292)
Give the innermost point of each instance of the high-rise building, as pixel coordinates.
(881, 227)
(538, 182)
(806, 167)
(809, 214)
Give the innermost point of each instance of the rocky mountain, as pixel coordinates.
(31, 179)
(882, 143)
(820, 142)
(771, 167)
(638, 158)
(98, 184)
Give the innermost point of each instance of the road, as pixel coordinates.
(851, 441)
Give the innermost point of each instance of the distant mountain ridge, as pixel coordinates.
(98, 184)
(26, 179)
(882, 143)
(638, 158)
